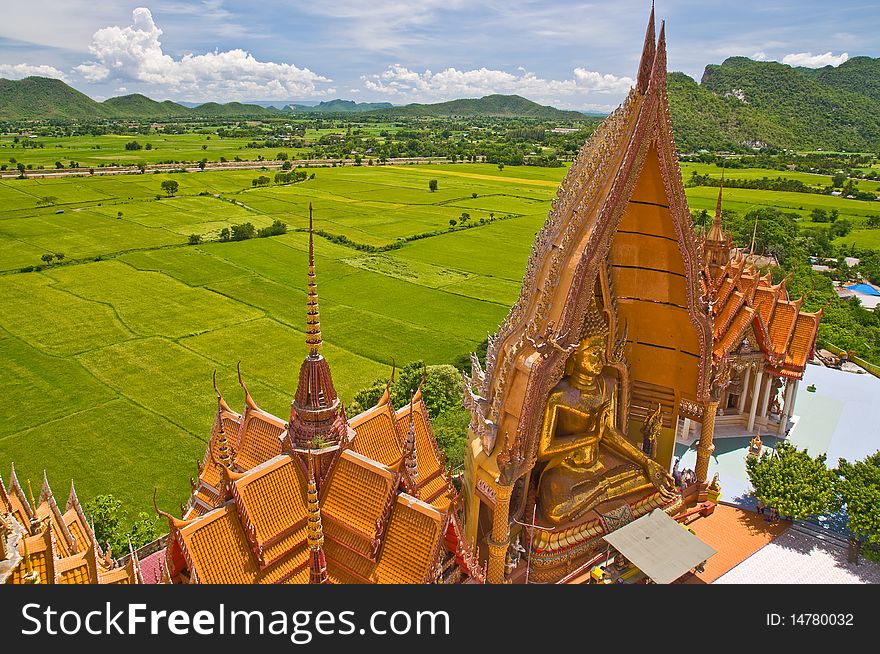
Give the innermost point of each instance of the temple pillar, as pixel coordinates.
(686, 430)
(756, 393)
(741, 405)
(705, 448)
(499, 539)
(765, 396)
(790, 390)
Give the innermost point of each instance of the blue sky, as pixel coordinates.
(570, 54)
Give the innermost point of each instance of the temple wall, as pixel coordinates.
(649, 279)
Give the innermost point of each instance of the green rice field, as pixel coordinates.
(106, 360)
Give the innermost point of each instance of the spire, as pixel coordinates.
(648, 52)
(224, 456)
(45, 489)
(317, 417)
(317, 560)
(31, 495)
(410, 460)
(313, 315)
(754, 233)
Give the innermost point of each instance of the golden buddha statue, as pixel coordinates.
(588, 460)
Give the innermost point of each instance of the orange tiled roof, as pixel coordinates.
(411, 543)
(430, 462)
(271, 504)
(258, 439)
(356, 493)
(377, 436)
(75, 570)
(217, 550)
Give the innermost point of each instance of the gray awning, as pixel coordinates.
(659, 546)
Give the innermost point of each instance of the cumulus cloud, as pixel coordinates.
(810, 60)
(760, 56)
(400, 82)
(18, 71)
(134, 53)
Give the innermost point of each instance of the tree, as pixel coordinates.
(286, 165)
(838, 179)
(59, 256)
(194, 239)
(432, 185)
(108, 517)
(47, 258)
(243, 231)
(500, 166)
(791, 481)
(858, 486)
(170, 187)
(132, 145)
(840, 227)
(202, 164)
(453, 222)
(225, 234)
(21, 168)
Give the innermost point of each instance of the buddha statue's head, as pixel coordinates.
(588, 360)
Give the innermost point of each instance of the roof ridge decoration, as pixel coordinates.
(568, 253)
(47, 496)
(173, 523)
(248, 400)
(386, 394)
(649, 50)
(16, 488)
(222, 403)
(411, 465)
(317, 559)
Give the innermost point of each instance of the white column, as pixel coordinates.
(756, 392)
(686, 430)
(741, 405)
(788, 407)
(765, 396)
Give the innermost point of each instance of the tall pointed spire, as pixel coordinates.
(317, 560)
(313, 315)
(317, 418)
(648, 52)
(716, 232)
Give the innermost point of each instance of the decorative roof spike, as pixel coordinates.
(658, 70)
(648, 52)
(386, 394)
(224, 455)
(317, 560)
(45, 489)
(313, 314)
(220, 401)
(72, 499)
(31, 495)
(418, 395)
(248, 400)
(410, 459)
(173, 523)
(718, 204)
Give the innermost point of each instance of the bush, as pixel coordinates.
(243, 231)
(275, 229)
(194, 239)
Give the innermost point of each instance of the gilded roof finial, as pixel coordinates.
(313, 315)
(31, 495)
(410, 459)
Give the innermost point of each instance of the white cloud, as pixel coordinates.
(810, 60)
(400, 82)
(18, 71)
(134, 53)
(759, 56)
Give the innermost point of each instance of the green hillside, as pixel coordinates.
(338, 106)
(786, 108)
(490, 105)
(232, 110)
(44, 97)
(859, 75)
(140, 106)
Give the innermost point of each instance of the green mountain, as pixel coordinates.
(859, 75)
(138, 106)
(743, 102)
(338, 106)
(491, 105)
(44, 97)
(233, 110)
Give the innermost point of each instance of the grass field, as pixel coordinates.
(106, 364)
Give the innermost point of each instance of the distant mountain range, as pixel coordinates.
(46, 98)
(739, 103)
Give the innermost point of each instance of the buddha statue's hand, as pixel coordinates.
(658, 476)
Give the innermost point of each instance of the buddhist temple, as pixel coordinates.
(630, 332)
(41, 545)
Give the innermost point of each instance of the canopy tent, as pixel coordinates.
(659, 546)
